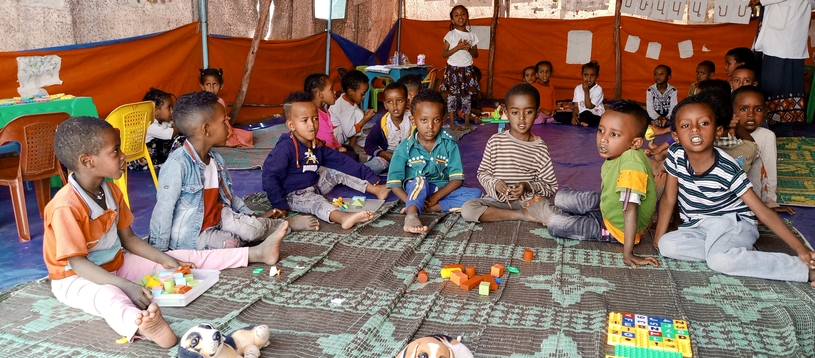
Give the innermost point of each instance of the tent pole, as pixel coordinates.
(618, 54)
(202, 17)
(491, 61)
(263, 18)
(328, 38)
(399, 35)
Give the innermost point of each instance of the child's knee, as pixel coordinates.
(472, 210)
(721, 262)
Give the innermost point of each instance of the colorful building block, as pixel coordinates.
(470, 270)
(635, 335)
(528, 255)
(447, 269)
(497, 270)
(512, 269)
(422, 276)
(457, 277)
(469, 284)
(484, 288)
(491, 281)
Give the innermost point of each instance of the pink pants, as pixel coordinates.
(542, 118)
(110, 303)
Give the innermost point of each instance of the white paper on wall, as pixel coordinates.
(653, 50)
(660, 10)
(54, 4)
(483, 33)
(632, 44)
(722, 11)
(675, 9)
(579, 47)
(629, 6)
(741, 12)
(697, 10)
(584, 5)
(686, 49)
(705, 49)
(36, 72)
(644, 8)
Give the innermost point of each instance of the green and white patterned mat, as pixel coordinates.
(796, 171)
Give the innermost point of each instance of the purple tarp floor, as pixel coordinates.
(573, 151)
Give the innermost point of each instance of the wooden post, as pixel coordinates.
(491, 61)
(263, 18)
(618, 54)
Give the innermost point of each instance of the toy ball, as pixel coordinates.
(649, 133)
(204, 341)
(435, 346)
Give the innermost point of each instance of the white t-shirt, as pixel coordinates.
(158, 130)
(461, 58)
(785, 29)
(397, 134)
(344, 116)
(596, 96)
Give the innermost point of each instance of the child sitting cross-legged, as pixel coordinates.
(516, 170)
(388, 132)
(425, 171)
(660, 98)
(92, 255)
(717, 205)
(622, 210)
(322, 92)
(196, 207)
(301, 169)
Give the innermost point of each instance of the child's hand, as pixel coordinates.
(518, 190)
(461, 44)
(274, 214)
(808, 257)
(585, 87)
(342, 149)
(784, 209)
(139, 295)
(501, 187)
(431, 200)
(635, 260)
(368, 113)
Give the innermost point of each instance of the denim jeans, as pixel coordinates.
(581, 218)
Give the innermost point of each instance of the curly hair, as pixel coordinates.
(315, 82)
(194, 109)
(741, 54)
(524, 89)
(295, 97)
(714, 84)
(635, 111)
(666, 67)
(353, 80)
(711, 67)
(428, 95)
(218, 73)
(718, 102)
(77, 136)
(746, 89)
(157, 96)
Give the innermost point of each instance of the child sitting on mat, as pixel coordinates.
(322, 90)
(547, 109)
(425, 171)
(660, 98)
(718, 207)
(622, 210)
(588, 97)
(301, 169)
(516, 170)
(346, 115)
(87, 230)
(196, 208)
(388, 132)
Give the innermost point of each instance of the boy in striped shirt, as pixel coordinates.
(717, 206)
(516, 170)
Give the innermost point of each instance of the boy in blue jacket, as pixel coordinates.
(301, 169)
(389, 131)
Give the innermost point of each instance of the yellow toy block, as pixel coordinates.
(613, 339)
(685, 349)
(625, 341)
(672, 347)
(447, 269)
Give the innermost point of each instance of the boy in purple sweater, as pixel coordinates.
(301, 169)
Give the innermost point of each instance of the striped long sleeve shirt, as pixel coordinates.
(513, 161)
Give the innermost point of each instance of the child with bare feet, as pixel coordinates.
(87, 230)
(718, 206)
(425, 171)
(196, 208)
(588, 97)
(301, 169)
(516, 170)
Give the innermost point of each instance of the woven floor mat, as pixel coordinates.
(796, 171)
(353, 293)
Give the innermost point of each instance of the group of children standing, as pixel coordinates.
(198, 221)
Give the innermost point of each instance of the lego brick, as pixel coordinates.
(469, 284)
(497, 270)
(457, 277)
(484, 288)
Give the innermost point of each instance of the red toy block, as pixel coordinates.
(422, 276)
(470, 271)
(457, 277)
(469, 284)
(491, 280)
(528, 255)
(497, 270)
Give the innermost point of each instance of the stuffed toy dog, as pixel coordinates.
(204, 341)
(435, 346)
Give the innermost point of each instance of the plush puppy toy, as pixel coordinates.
(435, 346)
(204, 341)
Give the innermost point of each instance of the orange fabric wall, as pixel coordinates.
(524, 42)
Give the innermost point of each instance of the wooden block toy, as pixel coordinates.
(528, 255)
(422, 276)
(470, 270)
(469, 284)
(491, 280)
(648, 336)
(457, 277)
(497, 270)
(484, 288)
(447, 269)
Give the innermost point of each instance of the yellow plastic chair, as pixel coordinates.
(430, 80)
(132, 120)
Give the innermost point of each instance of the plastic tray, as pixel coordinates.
(205, 278)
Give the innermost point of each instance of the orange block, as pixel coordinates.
(470, 271)
(469, 284)
(422, 276)
(457, 277)
(528, 255)
(184, 269)
(491, 280)
(497, 270)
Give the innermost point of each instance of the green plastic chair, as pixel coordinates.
(810, 69)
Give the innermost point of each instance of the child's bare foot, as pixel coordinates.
(528, 217)
(153, 326)
(380, 191)
(584, 124)
(348, 220)
(268, 251)
(414, 225)
(304, 223)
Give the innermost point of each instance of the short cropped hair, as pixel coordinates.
(428, 95)
(745, 67)
(713, 84)
(524, 89)
(397, 87)
(718, 102)
(412, 82)
(77, 136)
(528, 68)
(353, 80)
(193, 109)
(666, 67)
(742, 54)
(315, 82)
(633, 109)
(544, 63)
(295, 97)
(746, 89)
(711, 67)
(591, 64)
